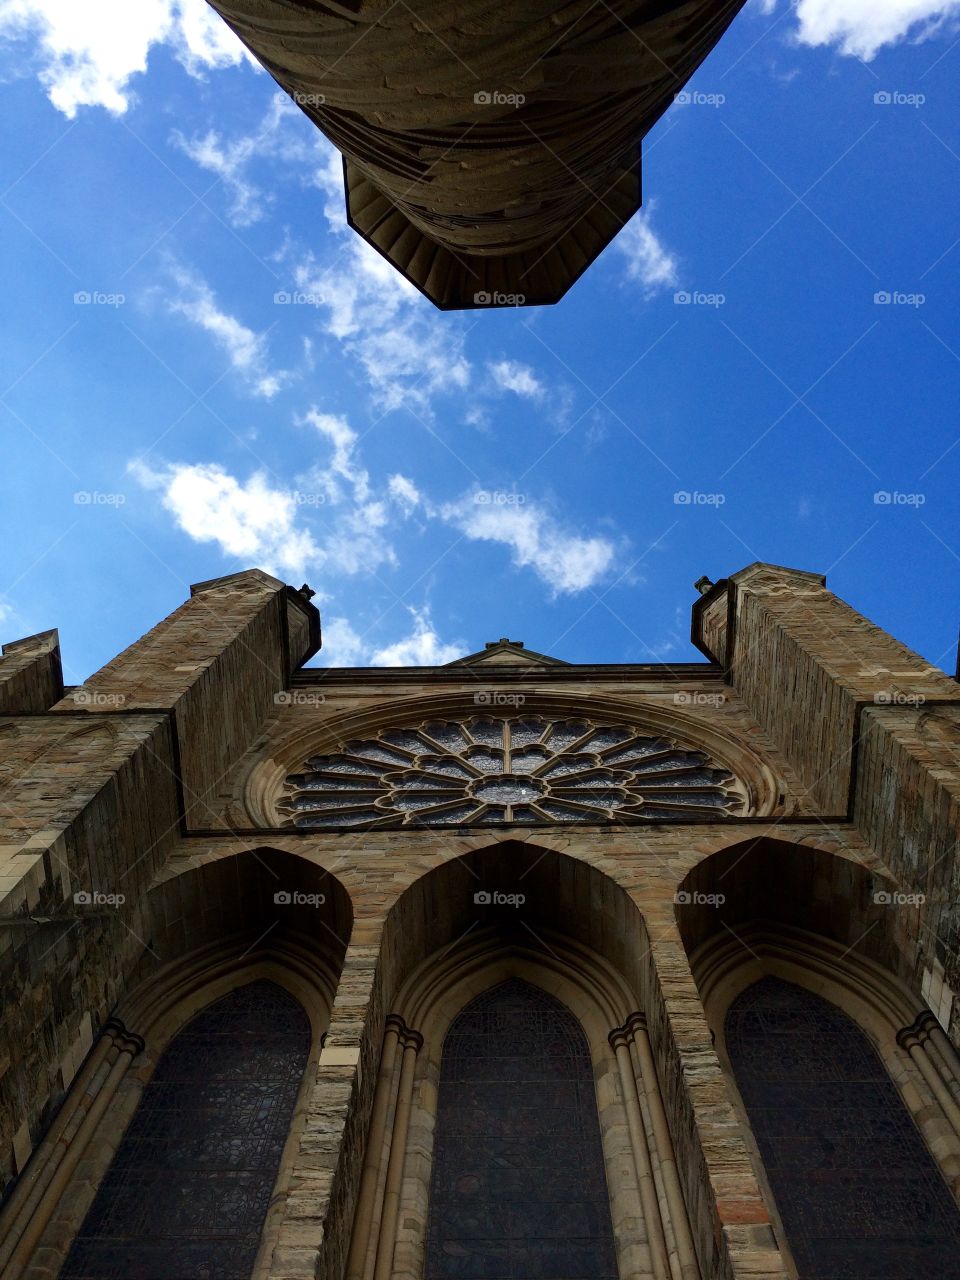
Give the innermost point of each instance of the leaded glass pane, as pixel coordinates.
(519, 1190)
(858, 1192)
(188, 1190)
(508, 770)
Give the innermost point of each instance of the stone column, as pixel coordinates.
(689, 1268)
(366, 1196)
(411, 1043)
(933, 1056)
(36, 1195)
(620, 1039)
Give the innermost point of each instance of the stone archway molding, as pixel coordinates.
(910, 1040)
(47, 1207)
(651, 1226)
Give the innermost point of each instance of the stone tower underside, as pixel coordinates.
(490, 152)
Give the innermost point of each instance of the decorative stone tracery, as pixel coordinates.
(491, 770)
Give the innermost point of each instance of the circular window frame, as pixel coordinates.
(261, 790)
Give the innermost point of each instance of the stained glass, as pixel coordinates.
(188, 1190)
(858, 1192)
(519, 1190)
(510, 769)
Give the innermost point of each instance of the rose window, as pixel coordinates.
(487, 770)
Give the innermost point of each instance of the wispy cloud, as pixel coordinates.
(407, 353)
(564, 561)
(649, 262)
(245, 349)
(344, 465)
(87, 54)
(511, 375)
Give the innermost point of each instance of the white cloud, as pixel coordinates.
(648, 260)
(860, 28)
(564, 561)
(229, 162)
(422, 648)
(88, 53)
(341, 646)
(408, 353)
(245, 349)
(405, 493)
(252, 521)
(343, 463)
(510, 375)
(284, 137)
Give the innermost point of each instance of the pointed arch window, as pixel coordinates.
(518, 1185)
(187, 1193)
(858, 1191)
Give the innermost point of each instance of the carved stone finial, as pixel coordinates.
(703, 585)
(306, 592)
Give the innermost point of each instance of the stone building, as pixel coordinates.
(507, 968)
(490, 151)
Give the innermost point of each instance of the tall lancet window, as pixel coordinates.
(858, 1192)
(188, 1190)
(519, 1188)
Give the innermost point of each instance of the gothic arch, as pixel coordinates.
(825, 924)
(239, 936)
(578, 937)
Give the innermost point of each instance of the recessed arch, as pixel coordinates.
(189, 1188)
(214, 928)
(516, 912)
(857, 1190)
(824, 925)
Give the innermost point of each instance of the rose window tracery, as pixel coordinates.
(489, 770)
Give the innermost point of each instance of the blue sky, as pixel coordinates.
(722, 386)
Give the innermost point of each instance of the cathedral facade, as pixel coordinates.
(510, 969)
